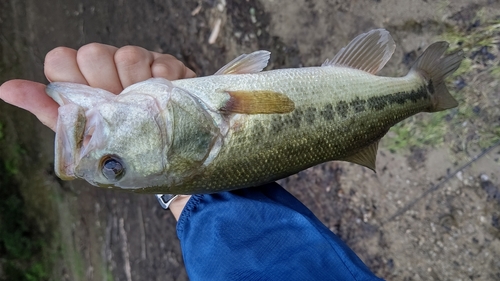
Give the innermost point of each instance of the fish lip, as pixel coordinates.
(69, 134)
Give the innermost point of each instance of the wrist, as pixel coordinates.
(177, 205)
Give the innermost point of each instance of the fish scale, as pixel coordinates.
(264, 151)
(242, 126)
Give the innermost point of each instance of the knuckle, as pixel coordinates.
(54, 55)
(178, 64)
(177, 68)
(92, 51)
(190, 73)
(168, 57)
(161, 70)
(170, 69)
(129, 56)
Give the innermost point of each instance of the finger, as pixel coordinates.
(96, 62)
(168, 67)
(133, 64)
(61, 66)
(31, 96)
(189, 73)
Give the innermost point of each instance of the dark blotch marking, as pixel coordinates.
(417, 95)
(327, 112)
(310, 115)
(380, 102)
(258, 131)
(399, 99)
(295, 120)
(277, 124)
(358, 105)
(291, 120)
(377, 103)
(342, 108)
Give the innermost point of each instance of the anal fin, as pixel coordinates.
(258, 102)
(365, 157)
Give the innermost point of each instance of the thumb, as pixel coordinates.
(31, 96)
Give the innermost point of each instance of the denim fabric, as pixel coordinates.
(261, 233)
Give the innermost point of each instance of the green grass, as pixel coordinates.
(21, 243)
(417, 132)
(109, 275)
(486, 35)
(24, 245)
(12, 161)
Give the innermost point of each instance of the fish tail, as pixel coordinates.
(435, 67)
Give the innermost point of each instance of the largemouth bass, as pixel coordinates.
(243, 126)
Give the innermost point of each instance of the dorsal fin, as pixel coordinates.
(246, 63)
(365, 157)
(368, 52)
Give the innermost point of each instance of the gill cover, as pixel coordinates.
(193, 135)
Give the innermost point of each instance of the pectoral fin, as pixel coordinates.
(365, 157)
(258, 102)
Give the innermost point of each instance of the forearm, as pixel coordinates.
(261, 233)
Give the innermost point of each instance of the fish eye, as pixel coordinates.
(112, 167)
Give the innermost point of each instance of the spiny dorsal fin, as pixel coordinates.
(365, 157)
(368, 51)
(246, 63)
(258, 102)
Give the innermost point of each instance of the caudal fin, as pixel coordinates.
(435, 67)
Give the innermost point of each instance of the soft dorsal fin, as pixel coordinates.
(365, 157)
(368, 51)
(258, 102)
(246, 63)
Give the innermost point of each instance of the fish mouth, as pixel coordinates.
(69, 137)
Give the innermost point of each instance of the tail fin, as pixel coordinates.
(435, 67)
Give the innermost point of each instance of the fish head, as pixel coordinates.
(108, 140)
(150, 135)
(122, 145)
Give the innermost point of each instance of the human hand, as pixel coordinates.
(97, 65)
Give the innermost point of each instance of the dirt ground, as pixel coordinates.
(422, 216)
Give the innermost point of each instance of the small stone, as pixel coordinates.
(484, 177)
(252, 15)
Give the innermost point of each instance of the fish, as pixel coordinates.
(243, 126)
